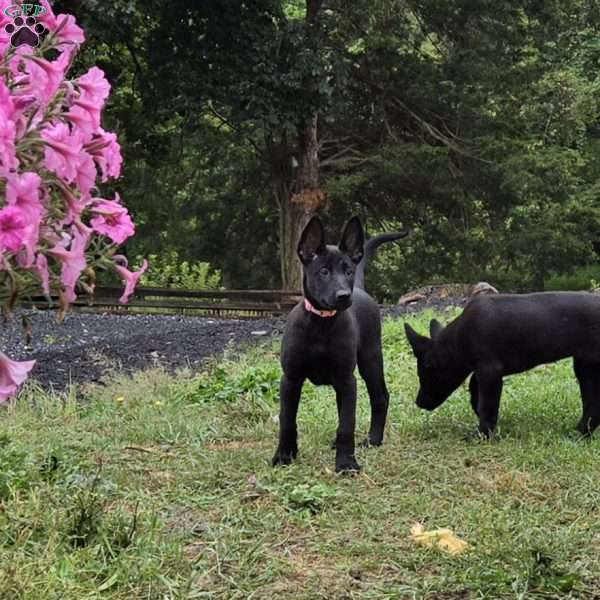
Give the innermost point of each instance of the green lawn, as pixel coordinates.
(159, 488)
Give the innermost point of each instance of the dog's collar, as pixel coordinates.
(321, 313)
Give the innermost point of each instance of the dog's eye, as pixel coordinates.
(324, 271)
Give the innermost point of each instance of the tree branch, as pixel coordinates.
(225, 121)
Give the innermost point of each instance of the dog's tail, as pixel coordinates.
(370, 246)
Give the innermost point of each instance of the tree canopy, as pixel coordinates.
(473, 123)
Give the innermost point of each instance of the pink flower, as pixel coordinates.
(6, 100)
(12, 375)
(130, 279)
(45, 77)
(13, 229)
(93, 85)
(41, 268)
(82, 119)
(23, 102)
(86, 172)
(112, 220)
(23, 192)
(4, 36)
(107, 153)
(75, 206)
(73, 262)
(48, 18)
(64, 155)
(67, 31)
(93, 108)
(50, 127)
(8, 156)
(61, 154)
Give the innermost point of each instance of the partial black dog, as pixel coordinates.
(336, 326)
(500, 335)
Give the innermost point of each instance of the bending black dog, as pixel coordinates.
(500, 335)
(336, 326)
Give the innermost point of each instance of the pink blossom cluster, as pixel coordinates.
(55, 229)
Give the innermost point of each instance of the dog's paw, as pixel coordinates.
(25, 31)
(477, 436)
(586, 427)
(371, 442)
(284, 457)
(347, 465)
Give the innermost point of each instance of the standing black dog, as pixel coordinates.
(336, 326)
(500, 335)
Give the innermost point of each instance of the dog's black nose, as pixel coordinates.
(343, 295)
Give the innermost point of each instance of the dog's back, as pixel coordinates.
(522, 331)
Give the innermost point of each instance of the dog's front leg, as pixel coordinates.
(345, 395)
(289, 398)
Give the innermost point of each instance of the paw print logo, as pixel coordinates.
(25, 31)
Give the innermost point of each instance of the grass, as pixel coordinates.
(161, 488)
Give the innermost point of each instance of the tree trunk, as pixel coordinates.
(302, 197)
(296, 189)
(292, 220)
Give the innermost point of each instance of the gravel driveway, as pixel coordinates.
(85, 346)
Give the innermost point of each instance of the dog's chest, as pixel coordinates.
(326, 360)
(320, 352)
(321, 371)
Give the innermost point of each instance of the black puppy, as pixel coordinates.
(336, 326)
(500, 335)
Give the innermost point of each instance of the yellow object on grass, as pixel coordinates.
(438, 538)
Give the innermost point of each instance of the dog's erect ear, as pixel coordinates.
(353, 240)
(435, 328)
(312, 241)
(419, 343)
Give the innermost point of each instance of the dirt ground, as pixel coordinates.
(86, 346)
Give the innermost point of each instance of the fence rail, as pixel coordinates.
(153, 300)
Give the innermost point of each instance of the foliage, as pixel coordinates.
(474, 123)
(169, 271)
(582, 278)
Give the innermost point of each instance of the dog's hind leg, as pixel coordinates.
(474, 391)
(489, 385)
(588, 375)
(370, 367)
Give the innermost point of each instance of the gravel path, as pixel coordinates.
(85, 346)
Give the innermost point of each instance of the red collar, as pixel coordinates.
(321, 313)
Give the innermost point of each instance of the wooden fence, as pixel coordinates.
(152, 300)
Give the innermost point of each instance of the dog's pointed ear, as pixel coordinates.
(312, 241)
(419, 343)
(353, 240)
(435, 328)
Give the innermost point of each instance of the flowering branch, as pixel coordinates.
(54, 227)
